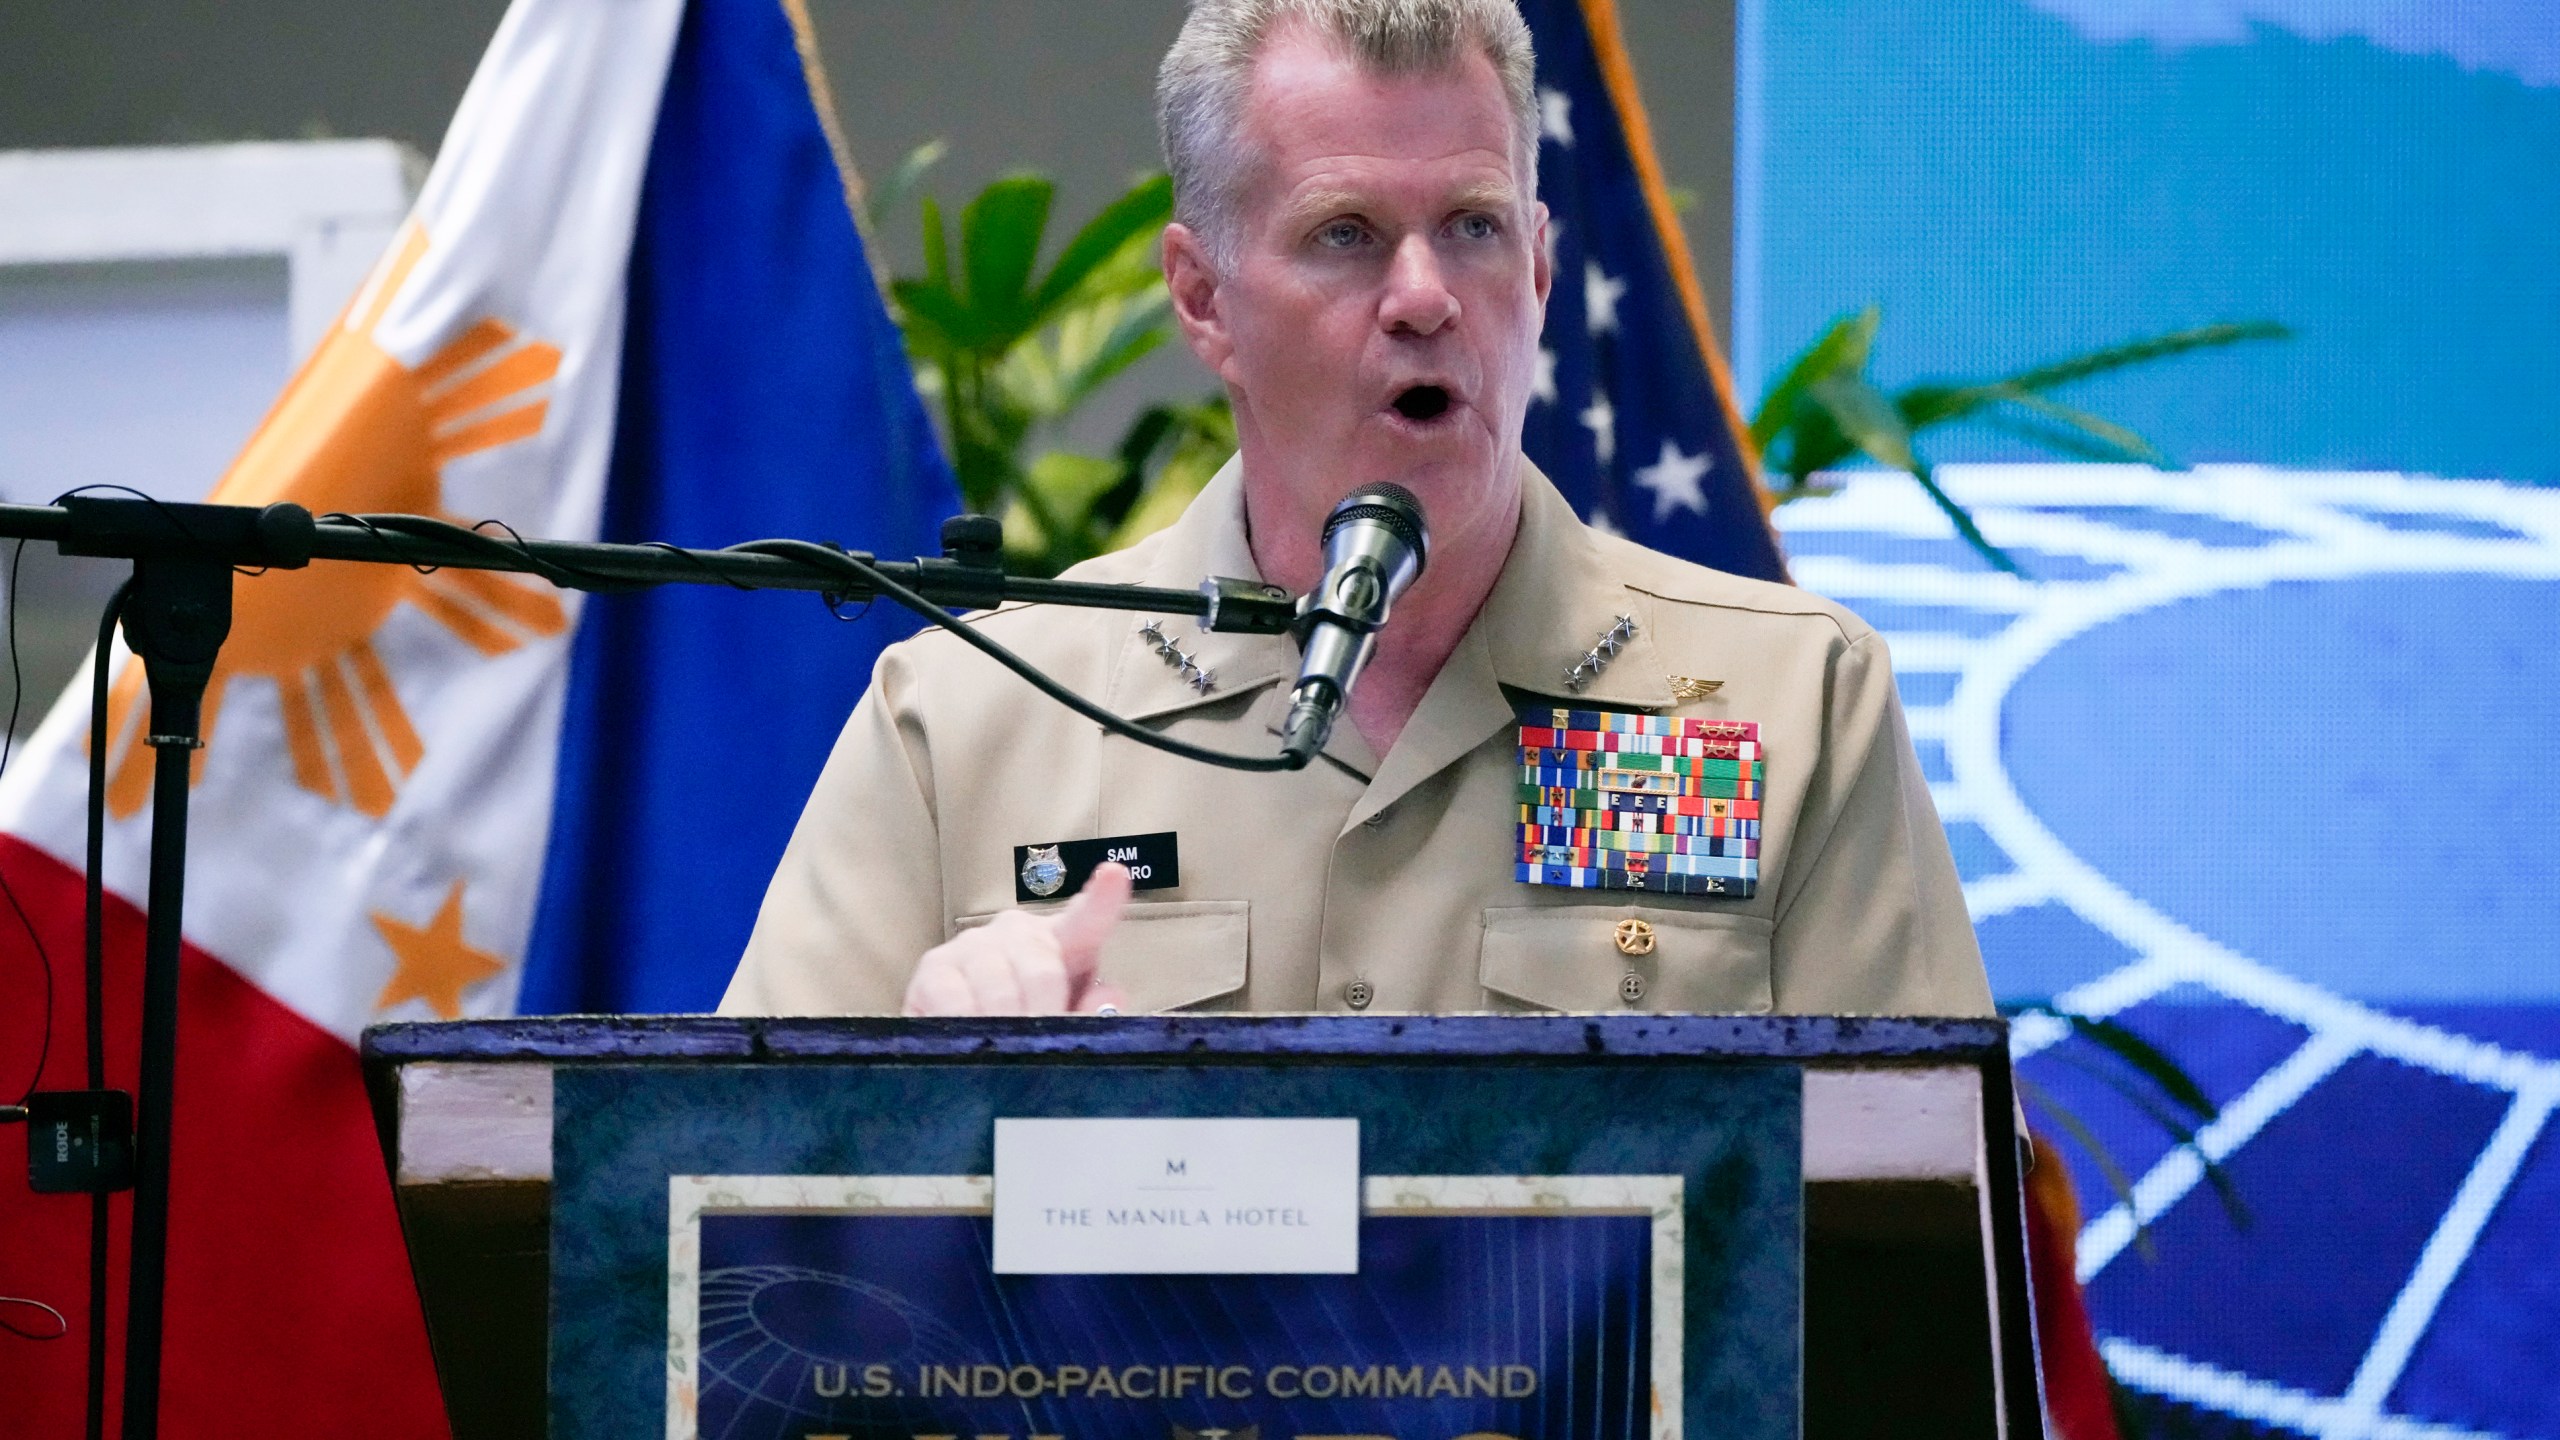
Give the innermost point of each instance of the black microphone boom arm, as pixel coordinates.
(967, 576)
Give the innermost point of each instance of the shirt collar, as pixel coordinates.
(1208, 539)
(1558, 595)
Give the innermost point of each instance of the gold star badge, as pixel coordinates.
(1634, 937)
(434, 964)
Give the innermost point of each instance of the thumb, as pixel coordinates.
(1088, 920)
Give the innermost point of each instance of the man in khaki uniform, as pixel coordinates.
(1357, 255)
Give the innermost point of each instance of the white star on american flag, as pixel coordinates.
(1555, 117)
(1600, 298)
(1602, 422)
(1673, 479)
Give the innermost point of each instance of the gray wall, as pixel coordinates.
(1058, 87)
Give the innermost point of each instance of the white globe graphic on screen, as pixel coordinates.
(2325, 705)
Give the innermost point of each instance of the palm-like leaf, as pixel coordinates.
(1842, 347)
(2145, 350)
(1169, 457)
(999, 244)
(1862, 416)
(1107, 339)
(2119, 1184)
(1007, 353)
(1823, 411)
(1128, 223)
(2167, 1096)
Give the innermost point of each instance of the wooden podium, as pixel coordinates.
(1915, 1314)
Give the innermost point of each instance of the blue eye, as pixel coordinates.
(1341, 235)
(1478, 227)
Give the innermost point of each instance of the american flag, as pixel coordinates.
(1633, 416)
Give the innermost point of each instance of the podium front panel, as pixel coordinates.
(1466, 1318)
(775, 1227)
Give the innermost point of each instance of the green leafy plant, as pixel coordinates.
(1824, 410)
(2147, 1079)
(1006, 351)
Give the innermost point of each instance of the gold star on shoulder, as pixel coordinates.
(434, 964)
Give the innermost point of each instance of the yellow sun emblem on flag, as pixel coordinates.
(358, 431)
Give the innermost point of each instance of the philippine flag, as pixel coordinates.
(632, 302)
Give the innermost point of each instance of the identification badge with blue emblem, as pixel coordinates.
(1053, 872)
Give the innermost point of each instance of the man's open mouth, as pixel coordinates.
(1422, 402)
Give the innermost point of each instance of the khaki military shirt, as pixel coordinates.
(1385, 883)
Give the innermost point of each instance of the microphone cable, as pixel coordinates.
(387, 529)
(873, 578)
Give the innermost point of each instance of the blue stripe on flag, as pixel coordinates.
(1631, 429)
(764, 393)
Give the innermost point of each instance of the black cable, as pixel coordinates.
(521, 555)
(8, 744)
(871, 576)
(698, 562)
(388, 543)
(384, 527)
(44, 1050)
(95, 954)
(94, 936)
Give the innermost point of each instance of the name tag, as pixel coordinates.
(1054, 872)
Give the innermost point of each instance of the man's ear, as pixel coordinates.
(1544, 246)
(1193, 283)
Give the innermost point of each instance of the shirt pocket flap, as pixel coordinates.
(1170, 953)
(1176, 953)
(1568, 957)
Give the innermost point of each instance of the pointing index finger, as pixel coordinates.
(1088, 920)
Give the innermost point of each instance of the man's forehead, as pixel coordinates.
(1343, 185)
(1319, 117)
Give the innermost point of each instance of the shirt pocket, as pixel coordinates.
(1170, 953)
(1568, 957)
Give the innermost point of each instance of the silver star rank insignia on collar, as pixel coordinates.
(1612, 640)
(1180, 659)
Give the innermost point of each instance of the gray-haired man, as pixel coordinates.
(1358, 256)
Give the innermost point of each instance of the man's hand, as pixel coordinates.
(1025, 964)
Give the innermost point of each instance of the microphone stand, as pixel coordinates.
(179, 612)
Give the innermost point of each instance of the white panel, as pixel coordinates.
(1892, 1124)
(325, 206)
(142, 373)
(474, 1123)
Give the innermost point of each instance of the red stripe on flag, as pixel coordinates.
(291, 1310)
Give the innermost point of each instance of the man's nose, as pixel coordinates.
(1418, 298)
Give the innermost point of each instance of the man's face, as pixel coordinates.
(1378, 315)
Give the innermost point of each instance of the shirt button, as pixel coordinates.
(1375, 821)
(1631, 987)
(1357, 994)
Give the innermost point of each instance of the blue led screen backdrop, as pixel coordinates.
(2259, 760)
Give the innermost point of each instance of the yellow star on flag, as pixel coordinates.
(434, 963)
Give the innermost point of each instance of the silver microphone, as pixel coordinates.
(1374, 546)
